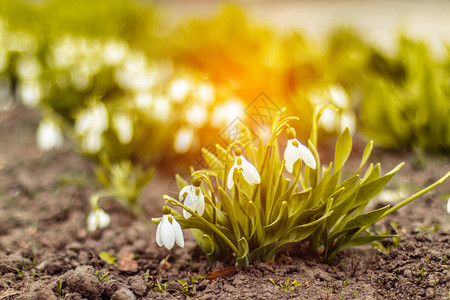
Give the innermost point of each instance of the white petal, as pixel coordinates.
(186, 189)
(307, 156)
(448, 206)
(189, 202)
(92, 221)
(230, 181)
(249, 172)
(178, 232)
(291, 155)
(103, 218)
(167, 234)
(200, 204)
(158, 234)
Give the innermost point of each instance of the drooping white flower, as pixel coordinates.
(48, 135)
(123, 126)
(247, 170)
(168, 232)
(448, 205)
(183, 140)
(295, 151)
(193, 198)
(98, 219)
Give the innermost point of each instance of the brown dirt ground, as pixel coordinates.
(46, 251)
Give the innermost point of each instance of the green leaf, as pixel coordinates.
(343, 149)
(366, 155)
(243, 259)
(181, 182)
(366, 219)
(229, 210)
(371, 189)
(365, 239)
(276, 229)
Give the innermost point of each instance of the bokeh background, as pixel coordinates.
(139, 85)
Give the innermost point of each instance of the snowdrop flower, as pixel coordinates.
(123, 126)
(168, 232)
(448, 205)
(48, 135)
(248, 171)
(193, 198)
(183, 140)
(295, 151)
(98, 219)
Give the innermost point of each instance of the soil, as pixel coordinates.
(46, 251)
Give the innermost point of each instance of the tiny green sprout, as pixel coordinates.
(252, 201)
(445, 259)
(60, 293)
(421, 275)
(355, 293)
(287, 285)
(19, 273)
(157, 286)
(107, 258)
(147, 275)
(102, 276)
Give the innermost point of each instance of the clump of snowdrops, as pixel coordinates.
(251, 205)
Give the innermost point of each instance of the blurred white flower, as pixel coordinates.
(183, 140)
(98, 219)
(161, 108)
(295, 151)
(339, 96)
(28, 67)
(135, 73)
(90, 125)
(448, 205)
(179, 89)
(30, 92)
(226, 113)
(204, 93)
(143, 100)
(196, 115)
(123, 126)
(247, 170)
(114, 51)
(48, 135)
(93, 118)
(193, 198)
(168, 232)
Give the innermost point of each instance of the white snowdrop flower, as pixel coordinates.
(339, 96)
(183, 140)
(92, 141)
(144, 100)
(295, 151)
(448, 205)
(193, 198)
(114, 52)
(168, 232)
(328, 120)
(123, 126)
(228, 112)
(161, 108)
(205, 93)
(28, 67)
(247, 170)
(98, 219)
(93, 118)
(48, 135)
(179, 89)
(196, 115)
(348, 119)
(30, 92)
